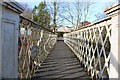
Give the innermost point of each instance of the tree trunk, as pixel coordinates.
(55, 14)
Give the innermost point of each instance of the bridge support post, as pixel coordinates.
(114, 12)
(9, 22)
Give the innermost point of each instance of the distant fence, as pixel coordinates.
(35, 43)
(96, 45)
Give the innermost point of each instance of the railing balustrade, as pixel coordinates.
(35, 43)
(25, 44)
(93, 45)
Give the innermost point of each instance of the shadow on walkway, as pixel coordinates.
(61, 63)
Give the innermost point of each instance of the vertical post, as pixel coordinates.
(9, 22)
(0, 42)
(114, 12)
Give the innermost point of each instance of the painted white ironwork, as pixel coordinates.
(92, 46)
(34, 45)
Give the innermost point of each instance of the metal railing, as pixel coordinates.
(97, 45)
(34, 44)
(92, 45)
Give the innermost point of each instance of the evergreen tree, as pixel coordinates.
(41, 15)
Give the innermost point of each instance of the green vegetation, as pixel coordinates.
(41, 15)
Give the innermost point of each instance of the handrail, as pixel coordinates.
(91, 44)
(92, 24)
(34, 23)
(34, 44)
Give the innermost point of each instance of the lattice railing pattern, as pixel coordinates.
(34, 44)
(92, 45)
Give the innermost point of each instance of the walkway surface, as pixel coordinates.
(61, 63)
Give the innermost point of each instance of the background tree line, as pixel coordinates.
(53, 14)
(39, 14)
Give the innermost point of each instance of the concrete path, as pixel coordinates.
(61, 63)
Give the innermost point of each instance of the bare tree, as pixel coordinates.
(100, 16)
(77, 11)
(55, 11)
(55, 14)
(68, 14)
(27, 10)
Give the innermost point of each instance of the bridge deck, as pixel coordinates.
(61, 63)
